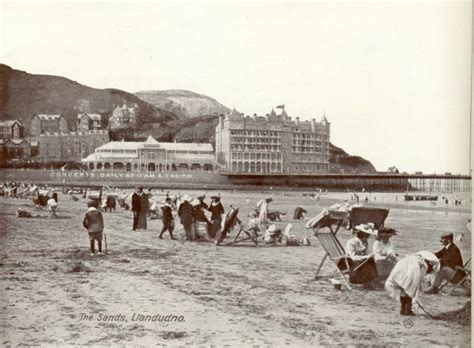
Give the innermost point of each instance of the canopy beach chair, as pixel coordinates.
(333, 220)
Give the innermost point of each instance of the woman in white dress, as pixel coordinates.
(384, 254)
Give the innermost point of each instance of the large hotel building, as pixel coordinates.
(272, 144)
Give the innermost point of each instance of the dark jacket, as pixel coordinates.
(144, 202)
(216, 210)
(198, 212)
(136, 202)
(167, 215)
(450, 257)
(93, 221)
(185, 212)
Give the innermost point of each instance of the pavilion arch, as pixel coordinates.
(98, 166)
(183, 166)
(106, 165)
(173, 167)
(208, 167)
(118, 166)
(151, 167)
(195, 166)
(91, 166)
(143, 167)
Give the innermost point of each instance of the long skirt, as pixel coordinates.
(364, 274)
(141, 224)
(214, 227)
(384, 267)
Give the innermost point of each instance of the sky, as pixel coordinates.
(392, 78)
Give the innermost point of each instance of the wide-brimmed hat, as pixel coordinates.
(364, 228)
(218, 196)
(186, 198)
(431, 258)
(201, 196)
(387, 232)
(269, 199)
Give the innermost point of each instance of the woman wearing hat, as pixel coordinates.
(405, 280)
(216, 210)
(384, 255)
(361, 262)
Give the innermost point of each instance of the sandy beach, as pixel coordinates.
(53, 292)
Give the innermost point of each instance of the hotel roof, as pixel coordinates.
(135, 145)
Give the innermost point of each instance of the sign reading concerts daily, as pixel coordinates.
(141, 176)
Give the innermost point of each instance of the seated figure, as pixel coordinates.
(450, 258)
(360, 261)
(384, 255)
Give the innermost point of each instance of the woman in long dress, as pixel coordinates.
(143, 213)
(384, 254)
(217, 211)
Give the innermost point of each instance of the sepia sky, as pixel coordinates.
(393, 78)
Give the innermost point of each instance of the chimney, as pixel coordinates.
(313, 125)
(297, 121)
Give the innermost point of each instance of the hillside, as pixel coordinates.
(170, 115)
(341, 162)
(23, 94)
(185, 104)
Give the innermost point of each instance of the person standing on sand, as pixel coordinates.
(168, 221)
(185, 213)
(217, 210)
(93, 222)
(143, 213)
(136, 206)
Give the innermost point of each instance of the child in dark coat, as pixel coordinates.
(94, 223)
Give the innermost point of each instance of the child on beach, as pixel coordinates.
(94, 223)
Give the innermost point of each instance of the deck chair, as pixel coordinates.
(467, 276)
(334, 251)
(244, 235)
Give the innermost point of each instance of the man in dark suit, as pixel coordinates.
(136, 206)
(449, 257)
(168, 221)
(185, 212)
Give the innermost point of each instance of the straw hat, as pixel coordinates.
(366, 229)
(272, 228)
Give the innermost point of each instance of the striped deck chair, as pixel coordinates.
(334, 251)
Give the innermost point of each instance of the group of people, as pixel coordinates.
(192, 213)
(403, 277)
